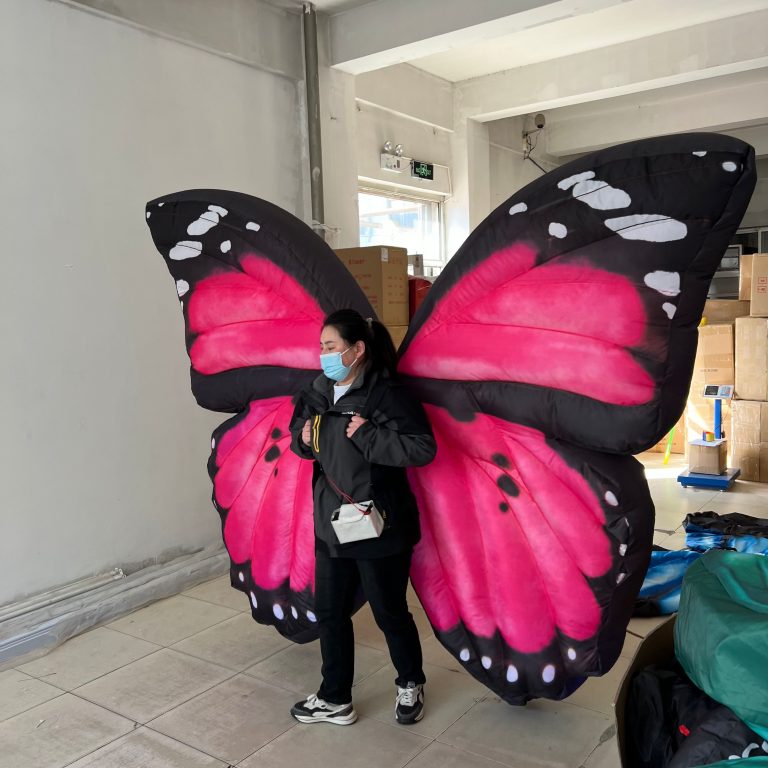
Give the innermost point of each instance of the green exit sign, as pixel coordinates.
(422, 170)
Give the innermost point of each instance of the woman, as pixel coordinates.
(361, 429)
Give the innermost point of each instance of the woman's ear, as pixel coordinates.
(359, 348)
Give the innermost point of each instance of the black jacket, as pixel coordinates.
(369, 465)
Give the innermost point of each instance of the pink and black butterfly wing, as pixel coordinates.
(254, 285)
(559, 340)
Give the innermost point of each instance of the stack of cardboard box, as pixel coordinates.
(749, 441)
(382, 273)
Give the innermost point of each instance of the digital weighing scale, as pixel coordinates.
(724, 482)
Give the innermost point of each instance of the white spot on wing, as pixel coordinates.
(652, 227)
(294, 613)
(666, 283)
(160, 205)
(610, 497)
(218, 209)
(207, 220)
(670, 309)
(148, 214)
(571, 180)
(241, 576)
(512, 675)
(700, 152)
(213, 443)
(729, 166)
(486, 662)
(182, 286)
(278, 611)
(557, 230)
(252, 225)
(254, 601)
(600, 195)
(464, 654)
(623, 550)
(548, 673)
(186, 249)
(518, 208)
(225, 246)
(311, 616)
(571, 654)
(621, 578)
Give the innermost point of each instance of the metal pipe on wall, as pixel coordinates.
(312, 80)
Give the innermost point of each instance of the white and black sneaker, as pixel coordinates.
(409, 704)
(316, 710)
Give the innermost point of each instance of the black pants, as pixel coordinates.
(384, 582)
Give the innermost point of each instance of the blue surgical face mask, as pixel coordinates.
(332, 366)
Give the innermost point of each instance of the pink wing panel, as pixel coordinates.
(558, 326)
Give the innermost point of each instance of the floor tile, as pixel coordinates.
(54, 734)
(153, 685)
(19, 692)
(146, 749)
(438, 755)
(598, 693)
(88, 656)
(631, 644)
(298, 668)
(367, 743)
(642, 626)
(220, 592)
(448, 695)
(168, 621)
(434, 653)
(606, 754)
(232, 720)
(368, 633)
(236, 643)
(543, 733)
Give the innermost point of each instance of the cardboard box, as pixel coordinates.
(750, 421)
(714, 357)
(751, 358)
(725, 310)
(707, 458)
(745, 277)
(382, 273)
(397, 332)
(679, 439)
(752, 460)
(657, 648)
(759, 292)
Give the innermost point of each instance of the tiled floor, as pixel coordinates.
(192, 681)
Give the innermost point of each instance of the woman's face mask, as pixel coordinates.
(333, 367)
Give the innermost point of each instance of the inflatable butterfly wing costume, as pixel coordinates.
(557, 342)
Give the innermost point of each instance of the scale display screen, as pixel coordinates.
(723, 391)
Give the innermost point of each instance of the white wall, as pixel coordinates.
(103, 454)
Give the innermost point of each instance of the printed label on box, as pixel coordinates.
(385, 254)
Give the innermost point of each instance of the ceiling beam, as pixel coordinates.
(389, 32)
(728, 103)
(714, 49)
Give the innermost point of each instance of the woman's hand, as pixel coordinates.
(355, 423)
(306, 433)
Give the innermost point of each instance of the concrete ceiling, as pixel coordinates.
(563, 37)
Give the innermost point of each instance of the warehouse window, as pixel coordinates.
(404, 221)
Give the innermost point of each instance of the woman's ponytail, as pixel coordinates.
(383, 352)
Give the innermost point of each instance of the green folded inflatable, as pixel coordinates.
(721, 632)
